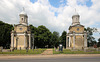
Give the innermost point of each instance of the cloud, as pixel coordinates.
(42, 12)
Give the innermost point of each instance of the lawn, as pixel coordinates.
(36, 51)
(68, 51)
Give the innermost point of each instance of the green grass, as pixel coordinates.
(68, 51)
(36, 51)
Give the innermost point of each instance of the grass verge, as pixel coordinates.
(36, 51)
(68, 51)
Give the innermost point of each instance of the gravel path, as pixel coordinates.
(48, 52)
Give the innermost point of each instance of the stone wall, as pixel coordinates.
(20, 28)
(81, 29)
(79, 42)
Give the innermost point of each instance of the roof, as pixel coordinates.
(23, 12)
(20, 25)
(75, 26)
(75, 13)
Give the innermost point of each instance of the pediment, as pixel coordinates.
(20, 25)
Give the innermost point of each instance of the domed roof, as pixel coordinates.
(75, 13)
(23, 12)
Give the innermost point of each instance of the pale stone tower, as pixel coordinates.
(21, 35)
(23, 18)
(75, 18)
(76, 37)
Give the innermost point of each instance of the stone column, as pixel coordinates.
(73, 40)
(12, 40)
(29, 41)
(33, 40)
(25, 40)
(85, 39)
(16, 41)
(66, 41)
(69, 41)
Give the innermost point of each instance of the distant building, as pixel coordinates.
(21, 35)
(76, 38)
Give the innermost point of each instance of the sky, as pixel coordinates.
(56, 15)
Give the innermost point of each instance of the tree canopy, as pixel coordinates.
(98, 42)
(5, 35)
(55, 39)
(43, 37)
(63, 38)
(91, 40)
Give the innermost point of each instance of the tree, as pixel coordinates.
(35, 32)
(98, 42)
(91, 40)
(5, 35)
(42, 36)
(55, 39)
(63, 38)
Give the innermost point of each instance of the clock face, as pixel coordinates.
(20, 28)
(77, 29)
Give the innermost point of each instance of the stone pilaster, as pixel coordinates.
(33, 40)
(25, 40)
(16, 42)
(66, 41)
(12, 40)
(69, 41)
(85, 40)
(29, 41)
(74, 40)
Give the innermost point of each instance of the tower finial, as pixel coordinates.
(23, 9)
(75, 10)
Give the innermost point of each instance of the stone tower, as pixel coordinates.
(75, 18)
(23, 18)
(76, 37)
(21, 35)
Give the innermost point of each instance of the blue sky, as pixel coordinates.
(89, 3)
(60, 3)
(57, 3)
(56, 15)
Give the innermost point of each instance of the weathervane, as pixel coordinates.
(75, 9)
(23, 9)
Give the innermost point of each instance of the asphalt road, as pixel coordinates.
(56, 59)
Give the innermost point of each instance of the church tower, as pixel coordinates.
(76, 38)
(23, 17)
(75, 18)
(21, 35)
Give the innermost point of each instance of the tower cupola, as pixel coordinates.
(75, 18)
(23, 17)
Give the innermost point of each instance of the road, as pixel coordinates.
(54, 59)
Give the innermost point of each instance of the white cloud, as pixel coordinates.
(61, 1)
(43, 13)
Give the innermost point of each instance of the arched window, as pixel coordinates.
(22, 18)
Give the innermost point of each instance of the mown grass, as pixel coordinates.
(36, 51)
(68, 51)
